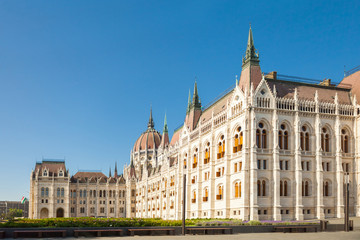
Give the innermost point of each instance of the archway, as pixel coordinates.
(60, 213)
(44, 213)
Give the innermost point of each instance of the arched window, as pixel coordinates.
(221, 147)
(104, 193)
(62, 192)
(185, 160)
(219, 196)
(43, 192)
(194, 197)
(283, 137)
(195, 158)
(81, 193)
(304, 139)
(325, 140)
(305, 188)
(100, 193)
(58, 192)
(344, 141)
(237, 189)
(261, 136)
(326, 188)
(261, 188)
(45, 173)
(206, 195)
(207, 153)
(238, 140)
(47, 192)
(284, 188)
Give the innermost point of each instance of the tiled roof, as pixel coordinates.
(89, 175)
(354, 81)
(53, 166)
(307, 91)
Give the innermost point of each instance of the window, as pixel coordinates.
(45, 173)
(283, 137)
(258, 164)
(261, 188)
(185, 156)
(82, 210)
(42, 192)
(238, 140)
(72, 210)
(206, 176)
(61, 174)
(221, 147)
(112, 210)
(92, 210)
(305, 139)
(264, 164)
(62, 192)
(58, 192)
(193, 200)
(305, 188)
(102, 210)
(344, 141)
(325, 140)
(206, 195)
(207, 153)
(237, 189)
(261, 136)
(284, 165)
(326, 188)
(195, 159)
(220, 189)
(284, 188)
(47, 192)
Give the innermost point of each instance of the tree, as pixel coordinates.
(14, 212)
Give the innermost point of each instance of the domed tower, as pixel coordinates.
(144, 152)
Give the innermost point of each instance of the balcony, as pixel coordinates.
(205, 199)
(193, 200)
(219, 197)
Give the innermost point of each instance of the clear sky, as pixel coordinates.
(78, 77)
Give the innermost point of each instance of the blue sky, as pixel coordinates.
(78, 77)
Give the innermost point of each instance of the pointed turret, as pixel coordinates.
(165, 136)
(189, 103)
(109, 171)
(151, 121)
(116, 173)
(192, 117)
(251, 72)
(195, 100)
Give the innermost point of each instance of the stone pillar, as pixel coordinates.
(318, 164)
(253, 169)
(276, 168)
(298, 170)
(339, 183)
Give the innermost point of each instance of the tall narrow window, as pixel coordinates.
(62, 192)
(58, 192)
(42, 192)
(221, 147)
(261, 136)
(263, 188)
(47, 192)
(304, 139)
(325, 140)
(283, 137)
(344, 141)
(238, 140)
(207, 153)
(236, 189)
(258, 188)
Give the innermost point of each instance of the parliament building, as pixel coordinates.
(270, 148)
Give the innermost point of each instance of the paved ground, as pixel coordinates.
(354, 235)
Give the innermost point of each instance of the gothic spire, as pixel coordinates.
(151, 121)
(196, 100)
(251, 53)
(109, 171)
(115, 173)
(189, 103)
(165, 130)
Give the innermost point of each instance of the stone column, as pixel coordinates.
(276, 168)
(338, 186)
(253, 169)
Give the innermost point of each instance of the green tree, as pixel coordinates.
(14, 212)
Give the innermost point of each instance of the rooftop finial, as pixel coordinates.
(151, 121)
(165, 130)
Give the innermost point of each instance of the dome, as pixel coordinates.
(150, 139)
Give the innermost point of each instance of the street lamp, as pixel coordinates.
(347, 181)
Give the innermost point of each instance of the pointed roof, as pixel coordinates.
(165, 130)
(151, 124)
(189, 103)
(251, 72)
(196, 100)
(115, 173)
(250, 53)
(109, 171)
